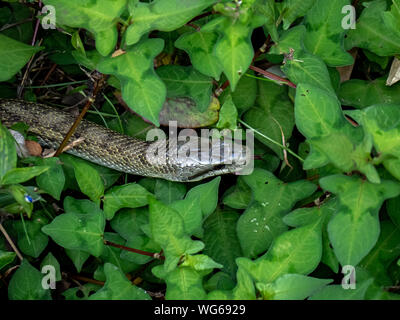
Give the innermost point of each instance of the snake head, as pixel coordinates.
(201, 158)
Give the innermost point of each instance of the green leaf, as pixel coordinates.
(8, 152)
(190, 211)
(262, 221)
(186, 114)
(227, 115)
(118, 287)
(273, 116)
(131, 195)
(184, 81)
(200, 262)
(324, 36)
(142, 89)
(82, 292)
(128, 222)
(386, 250)
(50, 260)
(267, 9)
(239, 197)
(19, 175)
(168, 231)
(383, 124)
(337, 292)
(291, 287)
(332, 139)
(162, 15)
(245, 93)
(354, 229)
(293, 9)
(318, 214)
(200, 45)
(295, 251)
(183, 283)
(13, 55)
(99, 17)
(234, 50)
(26, 284)
(219, 281)
(51, 181)
(372, 33)
(291, 39)
(221, 241)
(80, 230)
(169, 191)
(78, 258)
(207, 193)
(19, 192)
(392, 18)
(31, 240)
(307, 68)
(89, 180)
(393, 210)
(362, 93)
(6, 257)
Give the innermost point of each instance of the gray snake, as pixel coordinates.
(121, 152)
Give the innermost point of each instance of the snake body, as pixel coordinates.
(112, 149)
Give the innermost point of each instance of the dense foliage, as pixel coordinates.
(320, 94)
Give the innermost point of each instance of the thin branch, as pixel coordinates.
(273, 76)
(155, 255)
(89, 102)
(11, 243)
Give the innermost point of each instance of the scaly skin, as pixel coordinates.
(106, 147)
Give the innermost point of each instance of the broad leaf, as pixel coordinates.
(291, 287)
(13, 56)
(361, 93)
(199, 45)
(354, 229)
(324, 36)
(99, 17)
(187, 82)
(382, 122)
(168, 231)
(221, 241)
(8, 153)
(293, 9)
(142, 89)
(26, 284)
(118, 287)
(372, 33)
(183, 283)
(273, 116)
(332, 139)
(296, 251)
(19, 175)
(163, 15)
(131, 195)
(262, 221)
(80, 229)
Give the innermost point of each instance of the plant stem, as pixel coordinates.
(154, 255)
(272, 140)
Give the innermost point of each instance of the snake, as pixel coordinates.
(108, 148)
